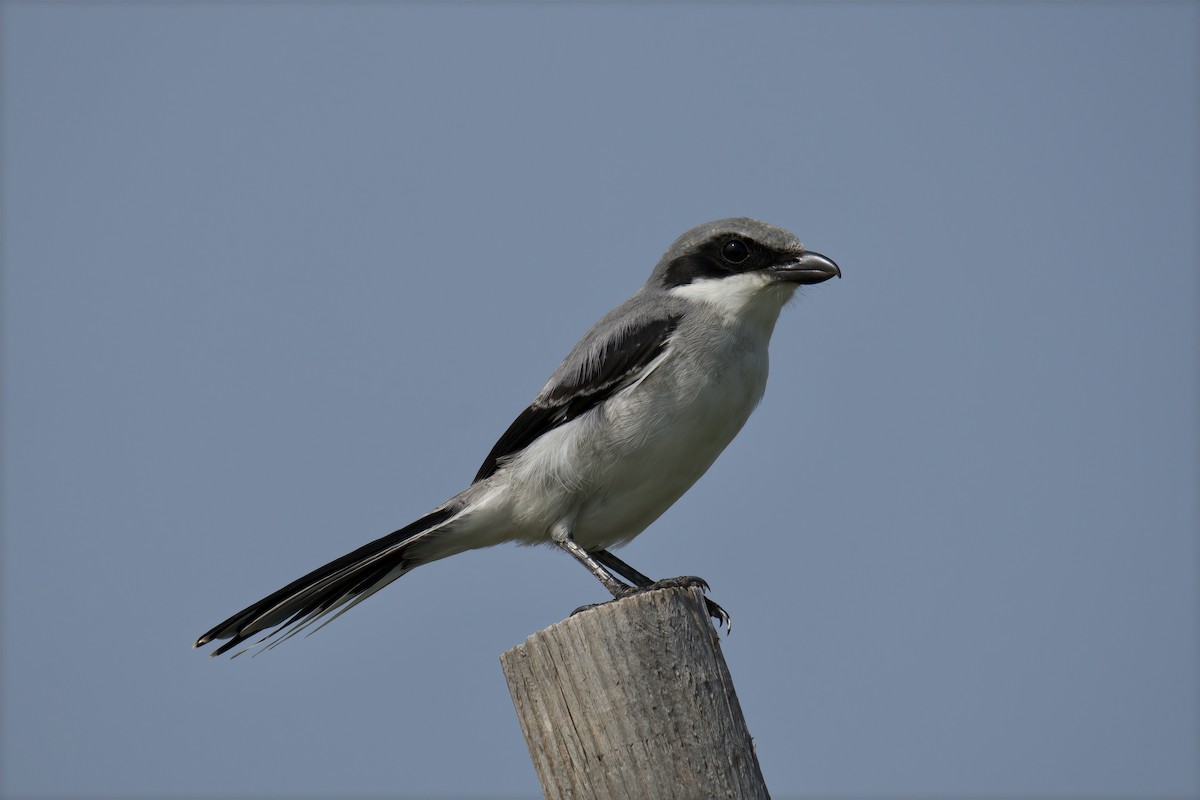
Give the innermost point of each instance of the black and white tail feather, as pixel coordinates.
(331, 590)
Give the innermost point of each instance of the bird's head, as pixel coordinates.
(740, 266)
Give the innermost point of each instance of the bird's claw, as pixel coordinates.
(692, 582)
(682, 582)
(714, 609)
(720, 615)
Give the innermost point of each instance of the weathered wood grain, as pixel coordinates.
(632, 699)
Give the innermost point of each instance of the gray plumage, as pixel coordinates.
(632, 417)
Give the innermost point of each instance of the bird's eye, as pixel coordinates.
(735, 251)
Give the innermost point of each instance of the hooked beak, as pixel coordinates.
(808, 267)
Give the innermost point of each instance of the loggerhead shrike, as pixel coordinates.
(633, 416)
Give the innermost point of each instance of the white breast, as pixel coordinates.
(614, 471)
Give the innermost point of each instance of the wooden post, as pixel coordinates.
(632, 699)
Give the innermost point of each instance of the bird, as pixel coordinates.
(638, 410)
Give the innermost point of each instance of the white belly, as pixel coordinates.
(611, 476)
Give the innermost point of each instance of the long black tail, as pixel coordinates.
(340, 584)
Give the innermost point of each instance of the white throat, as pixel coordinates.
(751, 298)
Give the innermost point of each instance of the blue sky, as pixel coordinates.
(277, 275)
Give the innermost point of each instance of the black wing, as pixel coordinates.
(602, 372)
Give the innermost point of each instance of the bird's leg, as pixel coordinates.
(621, 568)
(611, 562)
(561, 535)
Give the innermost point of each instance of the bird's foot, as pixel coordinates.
(588, 607)
(683, 582)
